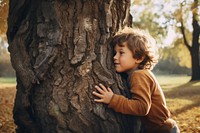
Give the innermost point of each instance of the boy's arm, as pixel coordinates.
(140, 102)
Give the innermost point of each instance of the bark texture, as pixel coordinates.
(60, 50)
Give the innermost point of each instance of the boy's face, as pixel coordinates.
(123, 59)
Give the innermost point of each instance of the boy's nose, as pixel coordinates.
(115, 57)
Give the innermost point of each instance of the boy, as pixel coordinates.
(135, 56)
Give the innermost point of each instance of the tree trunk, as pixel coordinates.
(194, 48)
(195, 51)
(60, 50)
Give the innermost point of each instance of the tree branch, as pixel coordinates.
(184, 36)
(183, 30)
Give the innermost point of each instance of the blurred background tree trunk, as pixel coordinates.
(194, 45)
(60, 50)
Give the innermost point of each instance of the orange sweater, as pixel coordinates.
(147, 100)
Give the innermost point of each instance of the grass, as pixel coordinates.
(7, 96)
(170, 81)
(7, 82)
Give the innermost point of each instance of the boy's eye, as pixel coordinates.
(121, 52)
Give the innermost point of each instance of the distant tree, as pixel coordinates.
(3, 18)
(60, 50)
(146, 16)
(174, 60)
(6, 69)
(194, 46)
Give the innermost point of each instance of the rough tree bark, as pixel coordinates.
(60, 50)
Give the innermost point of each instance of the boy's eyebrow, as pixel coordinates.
(119, 49)
(121, 45)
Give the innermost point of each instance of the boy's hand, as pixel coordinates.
(105, 94)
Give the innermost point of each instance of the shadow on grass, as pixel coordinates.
(189, 91)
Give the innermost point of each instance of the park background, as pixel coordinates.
(173, 71)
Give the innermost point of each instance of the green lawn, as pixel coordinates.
(7, 82)
(10, 80)
(168, 82)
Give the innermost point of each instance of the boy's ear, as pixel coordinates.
(139, 60)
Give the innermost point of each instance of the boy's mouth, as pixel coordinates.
(116, 64)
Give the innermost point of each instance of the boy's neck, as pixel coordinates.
(131, 71)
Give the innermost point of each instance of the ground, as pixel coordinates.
(7, 95)
(183, 100)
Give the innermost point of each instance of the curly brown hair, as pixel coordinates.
(141, 43)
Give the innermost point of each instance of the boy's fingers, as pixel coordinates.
(97, 94)
(109, 89)
(103, 87)
(99, 89)
(98, 100)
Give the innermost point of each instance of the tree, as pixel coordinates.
(3, 18)
(193, 48)
(5, 65)
(174, 60)
(60, 50)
